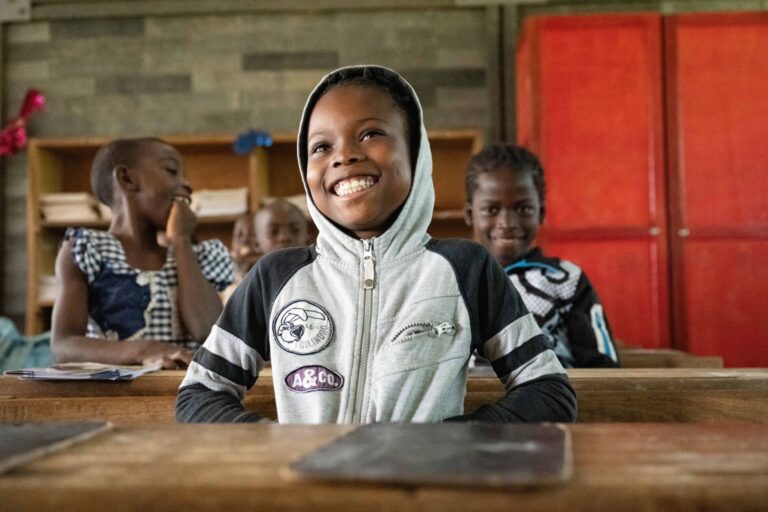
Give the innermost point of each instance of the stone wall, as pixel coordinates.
(222, 73)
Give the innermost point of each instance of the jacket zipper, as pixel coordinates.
(434, 331)
(369, 282)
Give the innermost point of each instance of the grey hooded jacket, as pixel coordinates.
(377, 330)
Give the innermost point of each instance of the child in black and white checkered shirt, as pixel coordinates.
(124, 298)
(505, 207)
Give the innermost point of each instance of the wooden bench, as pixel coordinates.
(665, 358)
(704, 466)
(605, 395)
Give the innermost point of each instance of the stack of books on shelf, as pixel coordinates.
(105, 212)
(72, 207)
(220, 202)
(47, 288)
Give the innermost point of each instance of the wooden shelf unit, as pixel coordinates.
(63, 165)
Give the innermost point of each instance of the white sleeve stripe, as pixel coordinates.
(197, 374)
(511, 337)
(545, 363)
(604, 345)
(234, 350)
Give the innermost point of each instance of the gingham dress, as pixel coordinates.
(127, 303)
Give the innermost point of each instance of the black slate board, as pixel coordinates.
(23, 442)
(474, 454)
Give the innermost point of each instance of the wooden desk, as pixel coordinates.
(665, 358)
(653, 467)
(618, 395)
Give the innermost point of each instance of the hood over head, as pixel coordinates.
(408, 231)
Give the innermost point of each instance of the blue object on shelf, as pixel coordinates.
(246, 141)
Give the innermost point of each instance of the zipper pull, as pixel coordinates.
(369, 270)
(443, 328)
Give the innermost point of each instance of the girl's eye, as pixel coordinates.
(489, 210)
(370, 134)
(526, 210)
(171, 171)
(320, 147)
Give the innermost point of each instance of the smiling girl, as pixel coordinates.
(124, 298)
(377, 322)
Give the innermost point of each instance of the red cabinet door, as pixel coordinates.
(589, 103)
(717, 90)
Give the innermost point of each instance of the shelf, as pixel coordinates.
(104, 224)
(447, 215)
(58, 165)
(54, 224)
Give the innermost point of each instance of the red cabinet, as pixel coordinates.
(590, 101)
(652, 130)
(717, 110)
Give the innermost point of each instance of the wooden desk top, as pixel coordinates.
(166, 383)
(605, 395)
(627, 467)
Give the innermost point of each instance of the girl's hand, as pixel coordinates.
(181, 221)
(171, 357)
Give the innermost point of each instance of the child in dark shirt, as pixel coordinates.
(377, 322)
(278, 225)
(505, 206)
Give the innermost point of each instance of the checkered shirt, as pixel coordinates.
(93, 251)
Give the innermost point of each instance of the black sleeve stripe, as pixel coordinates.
(221, 366)
(246, 314)
(492, 301)
(521, 355)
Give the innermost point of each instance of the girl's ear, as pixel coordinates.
(125, 178)
(468, 214)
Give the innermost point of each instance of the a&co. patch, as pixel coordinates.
(313, 378)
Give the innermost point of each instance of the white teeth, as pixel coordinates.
(353, 185)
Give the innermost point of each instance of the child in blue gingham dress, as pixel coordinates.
(125, 297)
(128, 303)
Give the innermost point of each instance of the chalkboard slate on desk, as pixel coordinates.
(472, 454)
(22, 442)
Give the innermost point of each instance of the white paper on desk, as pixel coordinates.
(83, 371)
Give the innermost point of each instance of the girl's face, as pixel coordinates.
(160, 174)
(505, 213)
(359, 169)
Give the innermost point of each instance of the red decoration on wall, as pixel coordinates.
(13, 136)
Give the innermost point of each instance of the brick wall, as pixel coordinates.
(222, 74)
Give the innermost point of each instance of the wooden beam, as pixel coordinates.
(3, 185)
(495, 75)
(64, 9)
(510, 29)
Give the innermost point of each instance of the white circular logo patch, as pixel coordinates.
(303, 327)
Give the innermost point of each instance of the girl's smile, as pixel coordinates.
(359, 167)
(350, 186)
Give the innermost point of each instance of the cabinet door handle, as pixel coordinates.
(683, 232)
(654, 231)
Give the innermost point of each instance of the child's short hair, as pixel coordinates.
(388, 82)
(118, 152)
(504, 156)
